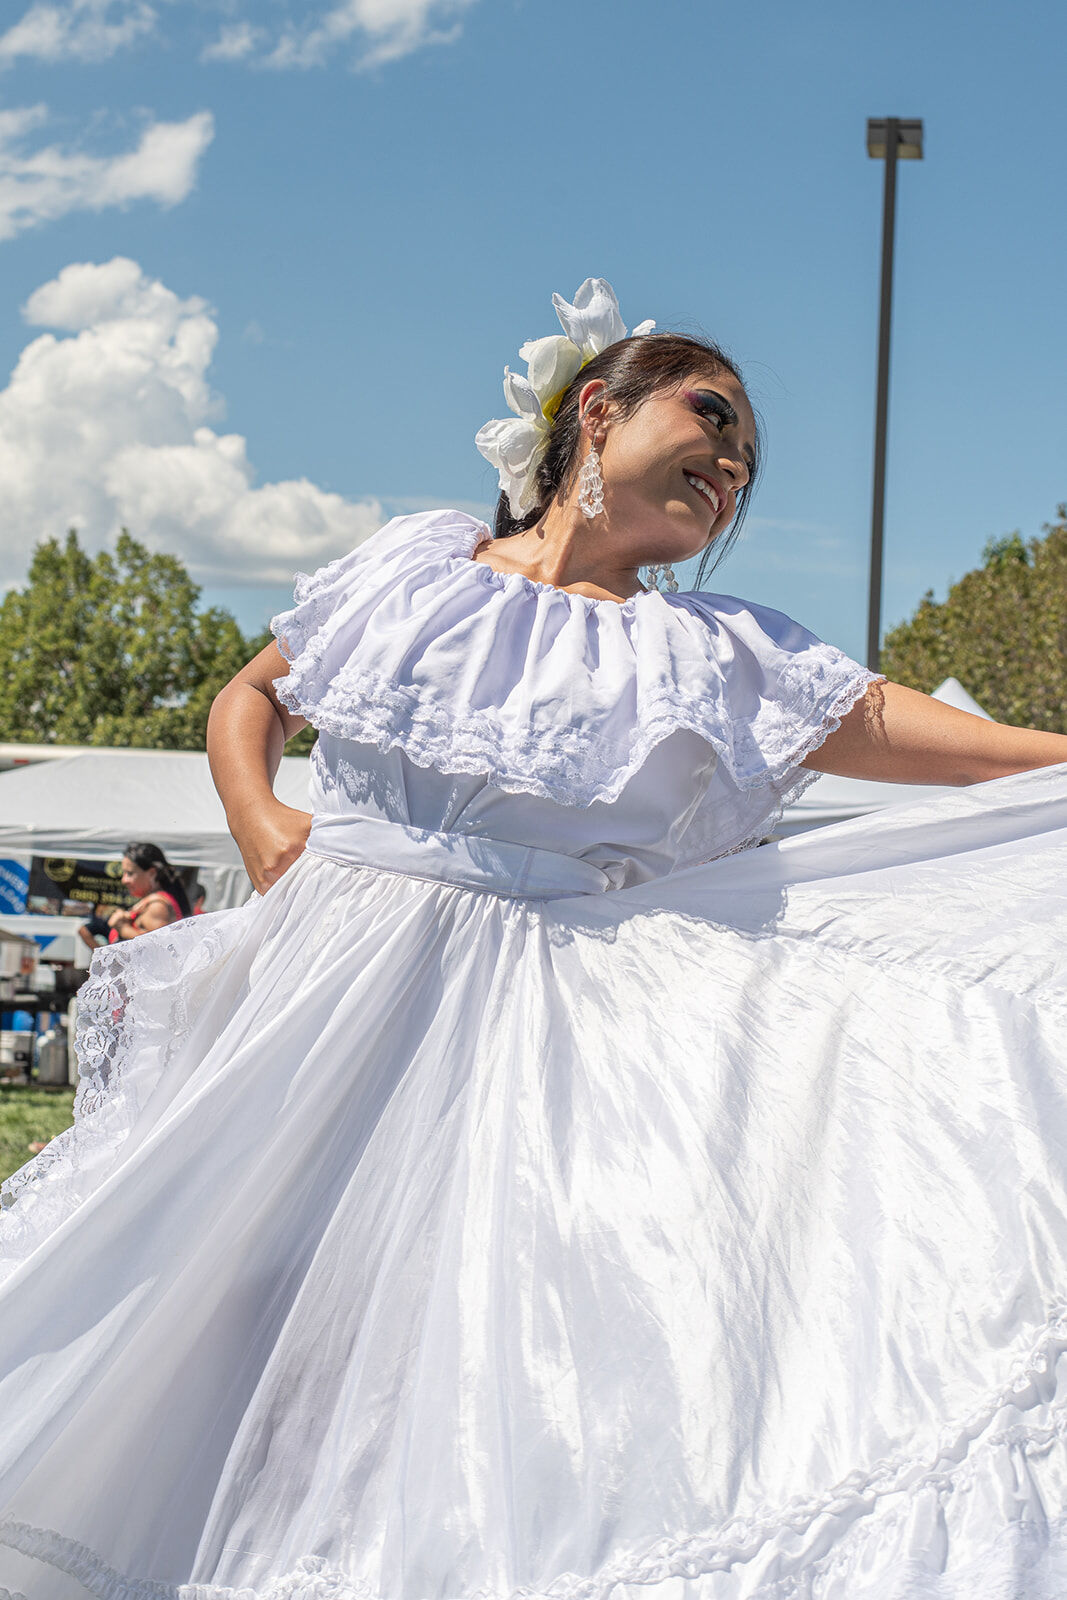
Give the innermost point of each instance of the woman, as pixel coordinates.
(602, 1206)
(159, 896)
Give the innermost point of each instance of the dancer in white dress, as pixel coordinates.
(531, 1191)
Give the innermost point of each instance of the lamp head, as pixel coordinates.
(908, 132)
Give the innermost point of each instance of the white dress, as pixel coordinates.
(536, 1194)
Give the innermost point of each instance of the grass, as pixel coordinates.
(28, 1114)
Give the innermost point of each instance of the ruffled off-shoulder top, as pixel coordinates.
(441, 688)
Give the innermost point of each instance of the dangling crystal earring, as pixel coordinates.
(665, 571)
(591, 485)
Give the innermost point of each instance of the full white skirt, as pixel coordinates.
(705, 1241)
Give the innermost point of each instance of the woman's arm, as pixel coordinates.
(897, 735)
(121, 921)
(152, 913)
(246, 735)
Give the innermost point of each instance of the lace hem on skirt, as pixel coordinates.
(857, 1542)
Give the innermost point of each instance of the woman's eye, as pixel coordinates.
(709, 408)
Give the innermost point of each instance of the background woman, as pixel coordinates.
(158, 892)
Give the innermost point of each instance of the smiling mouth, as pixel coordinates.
(706, 489)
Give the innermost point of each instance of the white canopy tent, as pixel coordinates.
(833, 799)
(91, 805)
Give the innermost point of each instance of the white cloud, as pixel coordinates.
(235, 41)
(383, 30)
(79, 30)
(370, 33)
(38, 185)
(109, 427)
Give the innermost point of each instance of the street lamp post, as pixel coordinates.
(889, 139)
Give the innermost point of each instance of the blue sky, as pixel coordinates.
(337, 222)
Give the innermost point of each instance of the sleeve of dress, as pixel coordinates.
(321, 635)
(777, 692)
(320, 598)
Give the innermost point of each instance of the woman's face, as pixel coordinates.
(137, 881)
(673, 469)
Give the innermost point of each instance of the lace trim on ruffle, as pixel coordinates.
(555, 765)
(798, 779)
(961, 1453)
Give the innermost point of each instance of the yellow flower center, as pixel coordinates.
(551, 406)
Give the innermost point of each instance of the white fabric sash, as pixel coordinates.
(468, 861)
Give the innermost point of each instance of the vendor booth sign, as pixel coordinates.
(63, 886)
(14, 882)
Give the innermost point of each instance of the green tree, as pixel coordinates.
(111, 650)
(1001, 630)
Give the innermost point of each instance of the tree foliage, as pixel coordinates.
(111, 650)
(1002, 631)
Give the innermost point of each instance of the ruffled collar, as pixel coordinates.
(479, 533)
(407, 641)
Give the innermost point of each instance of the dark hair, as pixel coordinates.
(147, 856)
(632, 371)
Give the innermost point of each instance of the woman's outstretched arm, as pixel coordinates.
(897, 735)
(246, 735)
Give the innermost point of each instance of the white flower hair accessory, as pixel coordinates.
(515, 445)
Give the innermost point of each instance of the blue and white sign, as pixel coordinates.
(14, 882)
